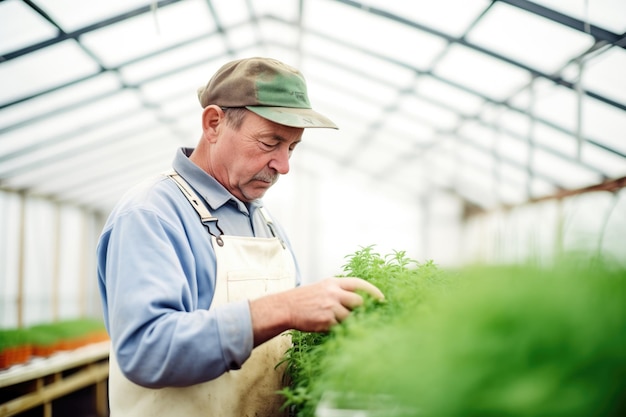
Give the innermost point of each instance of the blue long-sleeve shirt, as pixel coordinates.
(156, 274)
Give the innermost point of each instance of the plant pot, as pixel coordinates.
(15, 355)
(44, 351)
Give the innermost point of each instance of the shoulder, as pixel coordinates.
(155, 196)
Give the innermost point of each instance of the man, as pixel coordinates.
(198, 283)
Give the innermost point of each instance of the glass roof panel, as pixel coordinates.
(476, 155)
(513, 176)
(449, 16)
(92, 164)
(143, 34)
(479, 72)
(277, 31)
(351, 85)
(124, 101)
(342, 58)
(286, 53)
(504, 119)
(44, 69)
(607, 14)
(403, 133)
(229, 12)
(612, 165)
(565, 173)
(524, 98)
(373, 158)
(78, 186)
(547, 47)
(173, 60)
(242, 37)
(64, 160)
(287, 10)
(548, 97)
(457, 99)
(605, 124)
(182, 82)
(555, 140)
(56, 100)
(390, 39)
(183, 106)
(605, 74)
(423, 110)
(81, 141)
(73, 121)
(511, 149)
(74, 14)
(21, 26)
(478, 133)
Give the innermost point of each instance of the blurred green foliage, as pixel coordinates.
(517, 340)
(49, 333)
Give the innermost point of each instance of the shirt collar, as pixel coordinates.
(205, 185)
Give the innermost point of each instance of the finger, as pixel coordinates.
(354, 284)
(341, 313)
(350, 300)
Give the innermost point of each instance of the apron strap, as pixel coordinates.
(205, 215)
(270, 225)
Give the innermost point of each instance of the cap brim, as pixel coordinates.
(294, 117)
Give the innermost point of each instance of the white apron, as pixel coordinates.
(247, 268)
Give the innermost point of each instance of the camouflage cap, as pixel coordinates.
(267, 87)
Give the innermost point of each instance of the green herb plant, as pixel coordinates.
(482, 341)
(405, 283)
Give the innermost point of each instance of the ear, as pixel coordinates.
(212, 117)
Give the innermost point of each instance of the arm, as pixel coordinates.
(162, 332)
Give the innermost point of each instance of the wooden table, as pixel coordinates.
(42, 380)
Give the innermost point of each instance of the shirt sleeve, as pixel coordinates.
(150, 295)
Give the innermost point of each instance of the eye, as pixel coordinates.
(268, 145)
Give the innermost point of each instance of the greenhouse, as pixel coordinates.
(477, 179)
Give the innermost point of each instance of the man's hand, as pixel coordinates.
(311, 308)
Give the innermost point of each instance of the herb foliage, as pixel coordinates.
(516, 340)
(405, 283)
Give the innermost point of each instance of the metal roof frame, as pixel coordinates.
(603, 39)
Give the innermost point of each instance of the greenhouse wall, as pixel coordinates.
(47, 249)
(47, 261)
(591, 223)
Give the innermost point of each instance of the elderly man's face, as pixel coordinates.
(248, 161)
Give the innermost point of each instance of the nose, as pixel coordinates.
(280, 161)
